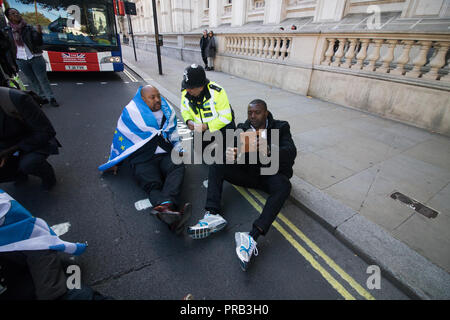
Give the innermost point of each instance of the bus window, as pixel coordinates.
(71, 22)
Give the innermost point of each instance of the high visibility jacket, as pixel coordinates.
(214, 111)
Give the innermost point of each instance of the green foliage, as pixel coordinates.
(30, 18)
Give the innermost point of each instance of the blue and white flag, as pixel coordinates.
(20, 231)
(137, 125)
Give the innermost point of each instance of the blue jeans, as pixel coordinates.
(36, 73)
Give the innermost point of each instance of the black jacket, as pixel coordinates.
(30, 37)
(286, 146)
(203, 43)
(29, 128)
(7, 55)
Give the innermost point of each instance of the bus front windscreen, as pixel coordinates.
(74, 23)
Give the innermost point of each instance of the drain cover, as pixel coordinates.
(419, 207)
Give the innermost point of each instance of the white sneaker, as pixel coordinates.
(210, 223)
(245, 248)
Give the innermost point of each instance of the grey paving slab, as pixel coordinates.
(441, 201)
(353, 190)
(431, 151)
(357, 153)
(417, 179)
(320, 172)
(428, 236)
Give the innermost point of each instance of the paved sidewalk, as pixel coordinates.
(348, 164)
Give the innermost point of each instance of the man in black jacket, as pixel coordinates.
(27, 138)
(203, 44)
(277, 185)
(28, 52)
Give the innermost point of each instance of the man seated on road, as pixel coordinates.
(27, 138)
(277, 185)
(204, 104)
(146, 134)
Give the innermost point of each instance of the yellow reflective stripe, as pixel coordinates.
(224, 112)
(224, 120)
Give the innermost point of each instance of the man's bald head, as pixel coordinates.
(151, 97)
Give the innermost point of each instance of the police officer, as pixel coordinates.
(204, 104)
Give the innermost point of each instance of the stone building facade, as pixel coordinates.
(388, 57)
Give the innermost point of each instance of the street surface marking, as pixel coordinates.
(130, 76)
(355, 285)
(325, 274)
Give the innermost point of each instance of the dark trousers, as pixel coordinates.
(160, 178)
(277, 186)
(32, 275)
(205, 58)
(34, 163)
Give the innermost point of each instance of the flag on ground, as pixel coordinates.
(20, 231)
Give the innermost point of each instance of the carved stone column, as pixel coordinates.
(350, 54)
(421, 59)
(283, 49)
(362, 54)
(373, 58)
(271, 46)
(438, 61)
(330, 52)
(403, 59)
(387, 59)
(277, 49)
(266, 47)
(339, 53)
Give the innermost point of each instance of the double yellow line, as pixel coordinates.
(314, 263)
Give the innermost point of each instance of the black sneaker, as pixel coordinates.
(54, 103)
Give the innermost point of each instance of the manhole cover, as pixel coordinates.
(419, 207)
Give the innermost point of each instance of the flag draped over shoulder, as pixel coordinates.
(20, 231)
(137, 125)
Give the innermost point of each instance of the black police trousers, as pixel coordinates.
(277, 186)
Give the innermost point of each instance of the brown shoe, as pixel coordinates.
(185, 215)
(167, 214)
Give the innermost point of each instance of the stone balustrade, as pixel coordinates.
(268, 47)
(409, 58)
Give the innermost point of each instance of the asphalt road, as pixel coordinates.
(132, 255)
